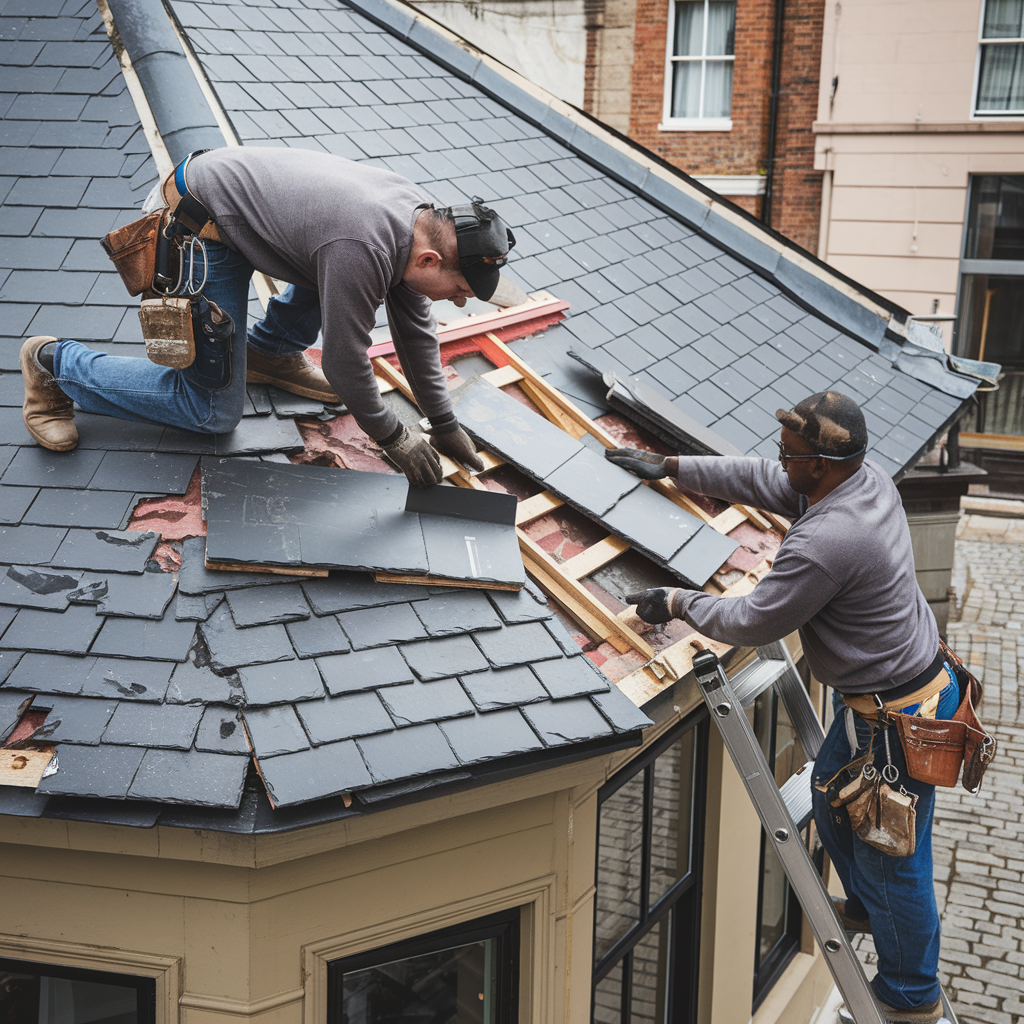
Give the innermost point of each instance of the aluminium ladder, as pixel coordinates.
(785, 812)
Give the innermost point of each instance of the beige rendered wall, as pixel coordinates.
(898, 144)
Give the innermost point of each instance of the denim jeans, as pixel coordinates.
(136, 389)
(897, 894)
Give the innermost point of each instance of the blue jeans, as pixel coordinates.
(136, 389)
(897, 894)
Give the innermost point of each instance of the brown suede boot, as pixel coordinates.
(851, 924)
(48, 413)
(294, 373)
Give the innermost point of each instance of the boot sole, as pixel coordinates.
(46, 444)
(252, 377)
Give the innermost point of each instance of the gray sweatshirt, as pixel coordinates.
(844, 576)
(344, 230)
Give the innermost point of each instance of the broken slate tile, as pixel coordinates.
(491, 736)
(40, 467)
(50, 673)
(444, 657)
(12, 704)
(196, 608)
(461, 611)
(317, 636)
(194, 578)
(281, 682)
(15, 502)
(570, 677)
(562, 637)
(381, 627)
(419, 702)
(106, 550)
(274, 731)
(144, 472)
(342, 718)
(364, 670)
(287, 404)
(135, 724)
(260, 606)
(404, 753)
(221, 732)
(195, 684)
(105, 771)
(515, 644)
(68, 632)
(88, 509)
(73, 719)
(566, 721)
(260, 399)
(526, 605)
(138, 597)
(651, 522)
(703, 556)
(190, 777)
(590, 482)
(231, 647)
(163, 640)
(623, 714)
(255, 435)
(347, 591)
(33, 545)
(32, 587)
(127, 679)
(504, 688)
(324, 771)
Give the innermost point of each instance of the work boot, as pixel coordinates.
(851, 924)
(930, 1014)
(48, 413)
(294, 373)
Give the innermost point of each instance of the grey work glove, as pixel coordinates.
(646, 465)
(657, 605)
(458, 446)
(415, 458)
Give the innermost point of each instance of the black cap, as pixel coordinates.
(829, 421)
(484, 243)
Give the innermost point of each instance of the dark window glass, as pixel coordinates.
(995, 218)
(671, 816)
(649, 993)
(1002, 19)
(1001, 80)
(992, 319)
(608, 997)
(619, 864)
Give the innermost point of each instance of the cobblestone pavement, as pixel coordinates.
(979, 840)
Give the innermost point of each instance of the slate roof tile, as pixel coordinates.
(484, 737)
(232, 648)
(404, 753)
(323, 771)
(104, 771)
(274, 730)
(504, 688)
(73, 719)
(379, 627)
(261, 606)
(134, 724)
(441, 658)
(317, 636)
(48, 673)
(566, 721)
(364, 670)
(198, 684)
(163, 640)
(340, 718)
(570, 677)
(418, 702)
(67, 632)
(190, 777)
(507, 646)
(127, 679)
(221, 732)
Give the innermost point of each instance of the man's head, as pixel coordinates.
(824, 438)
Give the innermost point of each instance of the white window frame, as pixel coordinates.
(988, 115)
(690, 124)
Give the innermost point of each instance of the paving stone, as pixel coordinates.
(566, 721)
(441, 658)
(488, 737)
(190, 777)
(407, 753)
(127, 679)
(274, 730)
(364, 670)
(231, 647)
(317, 636)
(264, 605)
(281, 682)
(380, 627)
(73, 719)
(67, 632)
(106, 550)
(135, 724)
(324, 771)
(221, 732)
(103, 771)
(342, 718)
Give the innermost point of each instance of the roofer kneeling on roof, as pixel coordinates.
(347, 237)
(844, 577)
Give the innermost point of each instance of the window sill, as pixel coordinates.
(696, 124)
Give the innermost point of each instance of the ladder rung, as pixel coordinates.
(749, 683)
(796, 795)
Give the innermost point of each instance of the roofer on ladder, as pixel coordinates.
(844, 577)
(347, 237)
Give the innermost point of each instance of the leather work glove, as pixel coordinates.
(657, 605)
(458, 446)
(415, 458)
(646, 465)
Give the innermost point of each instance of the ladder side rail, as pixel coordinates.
(793, 694)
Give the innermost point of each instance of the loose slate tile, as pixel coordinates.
(127, 679)
(652, 523)
(466, 549)
(231, 647)
(194, 578)
(281, 682)
(39, 467)
(405, 753)
(342, 718)
(571, 677)
(105, 771)
(444, 657)
(153, 725)
(381, 627)
(162, 640)
(491, 736)
(503, 688)
(563, 638)
(106, 550)
(34, 545)
(197, 608)
(317, 636)
(15, 502)
(526, 605)
(68, 632)
(347, 591)
(103, 510)
(50, 673)
(22, 803)
(197, 684)
(144, 472)
(221, 732)
(136, 597)
(274, 731)
(35, 587)
(262, 606)
(623, 714)
(703, 556)
(462, 611)
(190, 777)
(73, 719)
(566, 721)
(364, 670)
(12, 704)
(324, 771)
(426, 702)
(256, 435)
(514, 645)
(591, 483)
(286, 404)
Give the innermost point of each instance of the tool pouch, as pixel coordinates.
(132, 249)
(214, 332)
(168, 330)
(881, 816)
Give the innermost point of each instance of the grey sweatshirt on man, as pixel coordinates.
(344, 230)
(844, 576)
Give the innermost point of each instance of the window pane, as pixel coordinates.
(618, 864)
(1003, 19)
(453, 986)
(689, 40)
(718, 88)
(686, 88)
(722, 27)
(1002, 78)
(995, 221)
(789, 752)
(774, 904)
(672, 816)
(608, 997)
(992, 319)
(39, 999)
(650, 976)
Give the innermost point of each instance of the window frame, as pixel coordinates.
(988, 115)
(691, 124)
(684, 896)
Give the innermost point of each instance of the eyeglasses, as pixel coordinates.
(785, 457)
